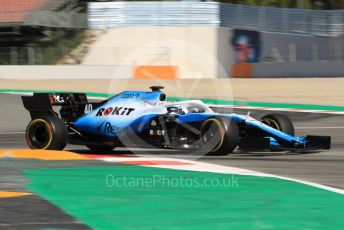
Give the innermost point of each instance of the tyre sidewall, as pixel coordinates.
(284, 123)
(56, 129)
(229, 136)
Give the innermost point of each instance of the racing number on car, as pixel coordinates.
(88, 108)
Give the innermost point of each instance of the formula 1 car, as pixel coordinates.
(146, 119)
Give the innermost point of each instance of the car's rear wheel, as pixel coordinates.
(279, 122)
(219, 136)
(47, 132)
(101, 148)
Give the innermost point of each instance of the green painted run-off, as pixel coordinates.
(248, 202)
(213, 101)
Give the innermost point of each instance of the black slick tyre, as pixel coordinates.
(219, 136)
(279, 122)
(48, 133)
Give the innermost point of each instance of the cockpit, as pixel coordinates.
(188, 107)
(194, 109)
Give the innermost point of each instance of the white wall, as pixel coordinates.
(192, 49)
(64, 72)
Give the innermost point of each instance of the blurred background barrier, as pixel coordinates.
(284, 70)
(269, 19)
(154, 45)
(114, 14)
(173, 39)
(282, 20)
(298, 69)
(103, 15)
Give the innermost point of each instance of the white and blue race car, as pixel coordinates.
(146, 119)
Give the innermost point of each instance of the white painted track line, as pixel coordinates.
(213, 168)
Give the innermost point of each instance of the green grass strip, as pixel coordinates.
(138, 197)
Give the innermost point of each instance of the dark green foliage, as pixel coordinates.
(47, 51)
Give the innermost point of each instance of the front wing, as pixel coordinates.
(304, 144)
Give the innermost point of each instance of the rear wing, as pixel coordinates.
(72, 105)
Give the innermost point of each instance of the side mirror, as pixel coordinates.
(172, 113)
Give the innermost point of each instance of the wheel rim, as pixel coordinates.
(212, 135)
(272, 123)
(39, 135)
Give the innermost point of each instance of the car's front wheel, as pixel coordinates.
(279, 122)
(219, 136)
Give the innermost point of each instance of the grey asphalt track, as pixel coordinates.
(324, 167)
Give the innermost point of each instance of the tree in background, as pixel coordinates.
(327, 4)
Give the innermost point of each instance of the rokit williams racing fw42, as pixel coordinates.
(141, 119)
